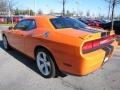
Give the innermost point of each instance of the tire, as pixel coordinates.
(45, 63)
(5, 43)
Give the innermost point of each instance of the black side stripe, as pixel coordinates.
(89, 30)
(105, 34)
(108, 33)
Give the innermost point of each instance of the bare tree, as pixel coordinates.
(112, 5)
(81, 13)
(88, 13)
(6, 6)
(40, 12)
(11, 5)
(51, 12)
(3, 6)
(64, 3)
(68, 13)
(109, 7)
(63, 6)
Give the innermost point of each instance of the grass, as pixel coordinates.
(6, 24)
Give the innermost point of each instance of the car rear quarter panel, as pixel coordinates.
(65, 49)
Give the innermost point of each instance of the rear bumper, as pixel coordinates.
(91, 61)
(94, 60)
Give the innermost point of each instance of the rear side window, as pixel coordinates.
(61, 22)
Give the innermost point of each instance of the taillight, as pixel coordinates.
(104, 40)
(87, 46)
(97, 43)
(91, 44)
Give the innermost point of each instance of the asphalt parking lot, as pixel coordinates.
(17, 72)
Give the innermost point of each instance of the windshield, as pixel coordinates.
(62, 22)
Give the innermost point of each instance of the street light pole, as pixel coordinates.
(10, 15)
(9, 12)
(64, 1)
(35, 7)
(113, 8)
(77, 11)
(109, 9)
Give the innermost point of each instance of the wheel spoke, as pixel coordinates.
(42, 67)
(46, 69)
(48, 63)
(44, 56)
(41, 59)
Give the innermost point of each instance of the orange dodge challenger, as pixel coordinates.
(60, 44)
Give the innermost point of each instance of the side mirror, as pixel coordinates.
(10, 28)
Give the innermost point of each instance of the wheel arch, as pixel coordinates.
(3, 35)
(38, 47)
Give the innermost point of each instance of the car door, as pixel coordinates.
(22, 31)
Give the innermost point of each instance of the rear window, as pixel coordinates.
(62, 22)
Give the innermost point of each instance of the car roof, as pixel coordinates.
(42, 21)
(41, 16)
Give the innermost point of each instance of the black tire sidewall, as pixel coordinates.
(8, 47)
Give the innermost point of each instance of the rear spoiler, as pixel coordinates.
(99, 35)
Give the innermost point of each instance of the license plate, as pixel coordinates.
(106, 59)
